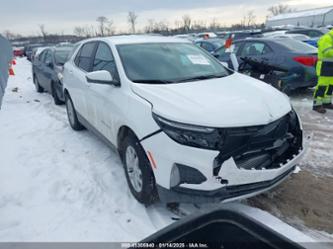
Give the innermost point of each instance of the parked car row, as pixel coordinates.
(224, 135)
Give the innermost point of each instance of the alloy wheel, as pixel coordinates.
(133, 170)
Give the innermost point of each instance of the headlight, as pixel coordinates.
(190, 135)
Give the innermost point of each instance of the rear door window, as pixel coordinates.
(48, 57)
(85, 56)
(255, 49)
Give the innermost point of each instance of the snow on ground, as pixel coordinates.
(57, 184)
(61, 185)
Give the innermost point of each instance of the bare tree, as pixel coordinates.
(199, 25)
(187, 22)
(79, 31)
(162, 27)
(109, 28)
(250, 18)
(280, 9)
(132, 20)
(85, 31)
(178, 24)
(42, 30)
(157, 27)
(102, 22)
(90, 31)
(9, 35)
(214, 24)
(150, 26)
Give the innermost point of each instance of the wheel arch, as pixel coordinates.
(124, 131)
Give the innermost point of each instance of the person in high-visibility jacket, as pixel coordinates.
(324, 88)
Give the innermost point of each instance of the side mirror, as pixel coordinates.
(101, 77)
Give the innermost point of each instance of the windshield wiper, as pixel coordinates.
(153, 81)
(159, 81)
(201, 77)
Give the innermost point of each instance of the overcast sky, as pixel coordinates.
(24, 16)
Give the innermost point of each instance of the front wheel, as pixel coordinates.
(139, 174)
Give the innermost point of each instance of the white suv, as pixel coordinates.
(187, 129)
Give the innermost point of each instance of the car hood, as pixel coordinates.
(233, 101)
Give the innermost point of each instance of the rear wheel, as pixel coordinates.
(55, 94)
(139, 174)
(39, 89)
(72, 116)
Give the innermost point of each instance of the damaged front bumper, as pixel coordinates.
(250, 160)
(241, 184)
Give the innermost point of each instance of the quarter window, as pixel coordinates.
(84, 56)
(104, 60)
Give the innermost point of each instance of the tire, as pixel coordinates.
(71, 114)
(39, 89)
(57, 100)
(145, 192)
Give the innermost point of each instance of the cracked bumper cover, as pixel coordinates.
(227, 175)
(242, 183)
(249, 183)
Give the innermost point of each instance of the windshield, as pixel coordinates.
(297, 46)
(168, 63)
(61, 56)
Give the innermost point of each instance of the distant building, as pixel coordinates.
(310, 18)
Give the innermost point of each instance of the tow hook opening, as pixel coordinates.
(182, 174)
